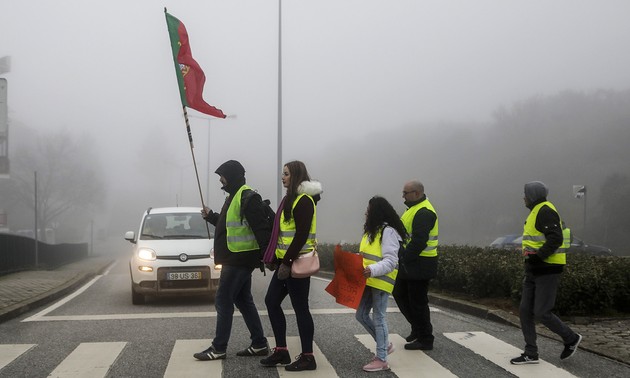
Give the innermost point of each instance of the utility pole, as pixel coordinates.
(36, 226)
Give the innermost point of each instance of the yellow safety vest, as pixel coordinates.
(566, 239)
(372, 253)
(407, 220)
(287, 231)
(534, 239)
(240, 236)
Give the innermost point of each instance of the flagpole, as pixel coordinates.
(192, 153)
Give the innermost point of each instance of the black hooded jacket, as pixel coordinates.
(547, 222)
(234, 174)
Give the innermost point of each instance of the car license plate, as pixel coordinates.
(184, 276)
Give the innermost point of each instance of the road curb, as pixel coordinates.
(52, 295)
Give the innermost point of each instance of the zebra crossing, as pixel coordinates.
(97, 358)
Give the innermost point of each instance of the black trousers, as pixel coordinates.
(413, 301)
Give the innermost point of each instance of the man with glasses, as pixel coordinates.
(417, 265)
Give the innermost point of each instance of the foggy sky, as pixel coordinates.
(349, 68)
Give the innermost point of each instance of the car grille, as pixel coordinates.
(176, 257)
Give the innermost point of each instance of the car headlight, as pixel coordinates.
(146, 254)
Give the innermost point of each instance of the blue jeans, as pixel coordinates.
(235, 288)
(376, 300)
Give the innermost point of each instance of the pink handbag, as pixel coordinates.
(305, 265)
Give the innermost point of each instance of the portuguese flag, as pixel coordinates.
(190, 77)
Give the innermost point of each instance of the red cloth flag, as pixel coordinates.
(190, 76)
(348, 284)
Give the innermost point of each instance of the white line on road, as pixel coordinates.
(324, 368)
(199, 314)
(182, 363)
(500, 353)
(408, 363)
(10, 352)
(41, 316)
(89, 360)
(69, 297)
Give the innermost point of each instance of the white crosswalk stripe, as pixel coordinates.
(500, 353)
(182, 364)
(408, 363)
(89, 360)
(96, 359)
(324, 368)
(10, 352)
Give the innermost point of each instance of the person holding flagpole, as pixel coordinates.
(241, 232)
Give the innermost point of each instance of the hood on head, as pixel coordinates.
(535, 191)
(234, 174)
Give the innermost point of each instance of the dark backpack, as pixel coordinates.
(269, 214)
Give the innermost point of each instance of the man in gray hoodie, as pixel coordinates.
(544, 262)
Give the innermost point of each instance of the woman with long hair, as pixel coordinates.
(296, 228)
(383, 232)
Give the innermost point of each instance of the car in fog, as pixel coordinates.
(511, 241)
(578, 246)
(514, 241)
(172, 254)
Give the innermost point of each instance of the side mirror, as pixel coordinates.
(130, 235)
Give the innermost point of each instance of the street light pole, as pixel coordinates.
(279, 167)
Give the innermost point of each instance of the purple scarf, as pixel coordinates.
(270, 252)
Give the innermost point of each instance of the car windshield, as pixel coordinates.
(174, 226)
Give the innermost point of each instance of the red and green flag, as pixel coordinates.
(190, 76)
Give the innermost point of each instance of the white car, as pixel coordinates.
(173, 253)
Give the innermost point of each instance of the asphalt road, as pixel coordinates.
(98, 328)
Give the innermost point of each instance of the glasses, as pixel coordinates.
(405, 193)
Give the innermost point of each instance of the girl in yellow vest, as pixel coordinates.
(296, 230)
(383, 235)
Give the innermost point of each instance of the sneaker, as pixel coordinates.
(376, 365)
(251, 351)
(570, 349)
(278, 357)
(524, 359)
(391, 348)
(417, 345)
(210, 354)
(302, 362)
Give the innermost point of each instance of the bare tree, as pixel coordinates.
(67, 176)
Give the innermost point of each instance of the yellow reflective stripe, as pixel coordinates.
(534, 238)
(371, 257)
(386, 279)
(237, 224)
(241, 238)
(290, 234)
